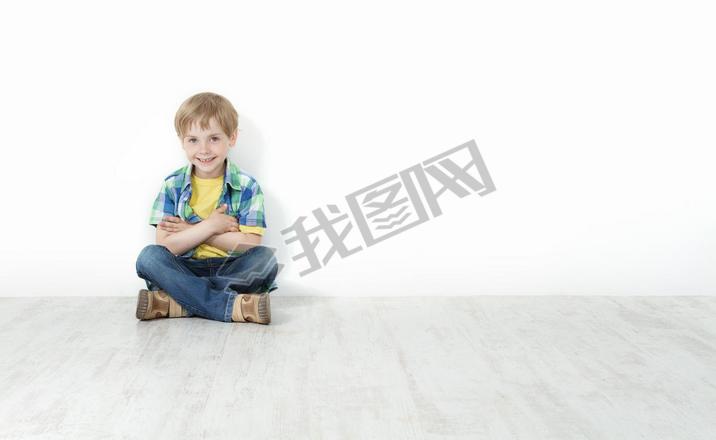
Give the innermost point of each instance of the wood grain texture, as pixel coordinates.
(483, 367)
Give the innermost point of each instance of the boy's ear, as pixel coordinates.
(232, 138)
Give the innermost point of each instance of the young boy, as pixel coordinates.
(208, 259)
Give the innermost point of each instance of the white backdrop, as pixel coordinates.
(595, 122)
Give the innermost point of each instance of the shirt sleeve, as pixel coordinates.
(252, 218)
(164, 205)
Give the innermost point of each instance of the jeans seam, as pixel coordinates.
(229, 305)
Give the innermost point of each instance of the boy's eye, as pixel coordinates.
(215, 138)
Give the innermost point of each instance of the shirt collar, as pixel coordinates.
(231, 175)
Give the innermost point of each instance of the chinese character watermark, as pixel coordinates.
(392, 205)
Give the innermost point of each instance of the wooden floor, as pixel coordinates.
(374, 368)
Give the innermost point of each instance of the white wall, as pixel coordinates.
(596, 123)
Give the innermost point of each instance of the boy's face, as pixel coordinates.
(210, 144)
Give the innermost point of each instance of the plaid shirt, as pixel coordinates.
(241, 192)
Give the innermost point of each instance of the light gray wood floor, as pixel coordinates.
(539, 367)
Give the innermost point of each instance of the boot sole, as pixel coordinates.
(264, 309)
(142, 303)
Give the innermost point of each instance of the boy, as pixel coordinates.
(208, 259)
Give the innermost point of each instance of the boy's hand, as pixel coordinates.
(173, 224)
(221, 222)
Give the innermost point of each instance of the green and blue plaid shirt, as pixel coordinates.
(241, 193)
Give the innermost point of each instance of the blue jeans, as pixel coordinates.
(207, 287)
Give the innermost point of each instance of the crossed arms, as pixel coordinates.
(218, 230)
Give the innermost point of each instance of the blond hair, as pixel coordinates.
(201, 108)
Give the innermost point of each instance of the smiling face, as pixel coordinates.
(211, 144)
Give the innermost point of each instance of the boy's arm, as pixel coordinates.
(234, 241)
(180, 242)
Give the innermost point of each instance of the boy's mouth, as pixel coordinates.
(207, 160)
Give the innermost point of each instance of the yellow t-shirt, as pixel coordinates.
(204, 196)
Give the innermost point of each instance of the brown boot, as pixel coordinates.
(152, 304)
(252, 307)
